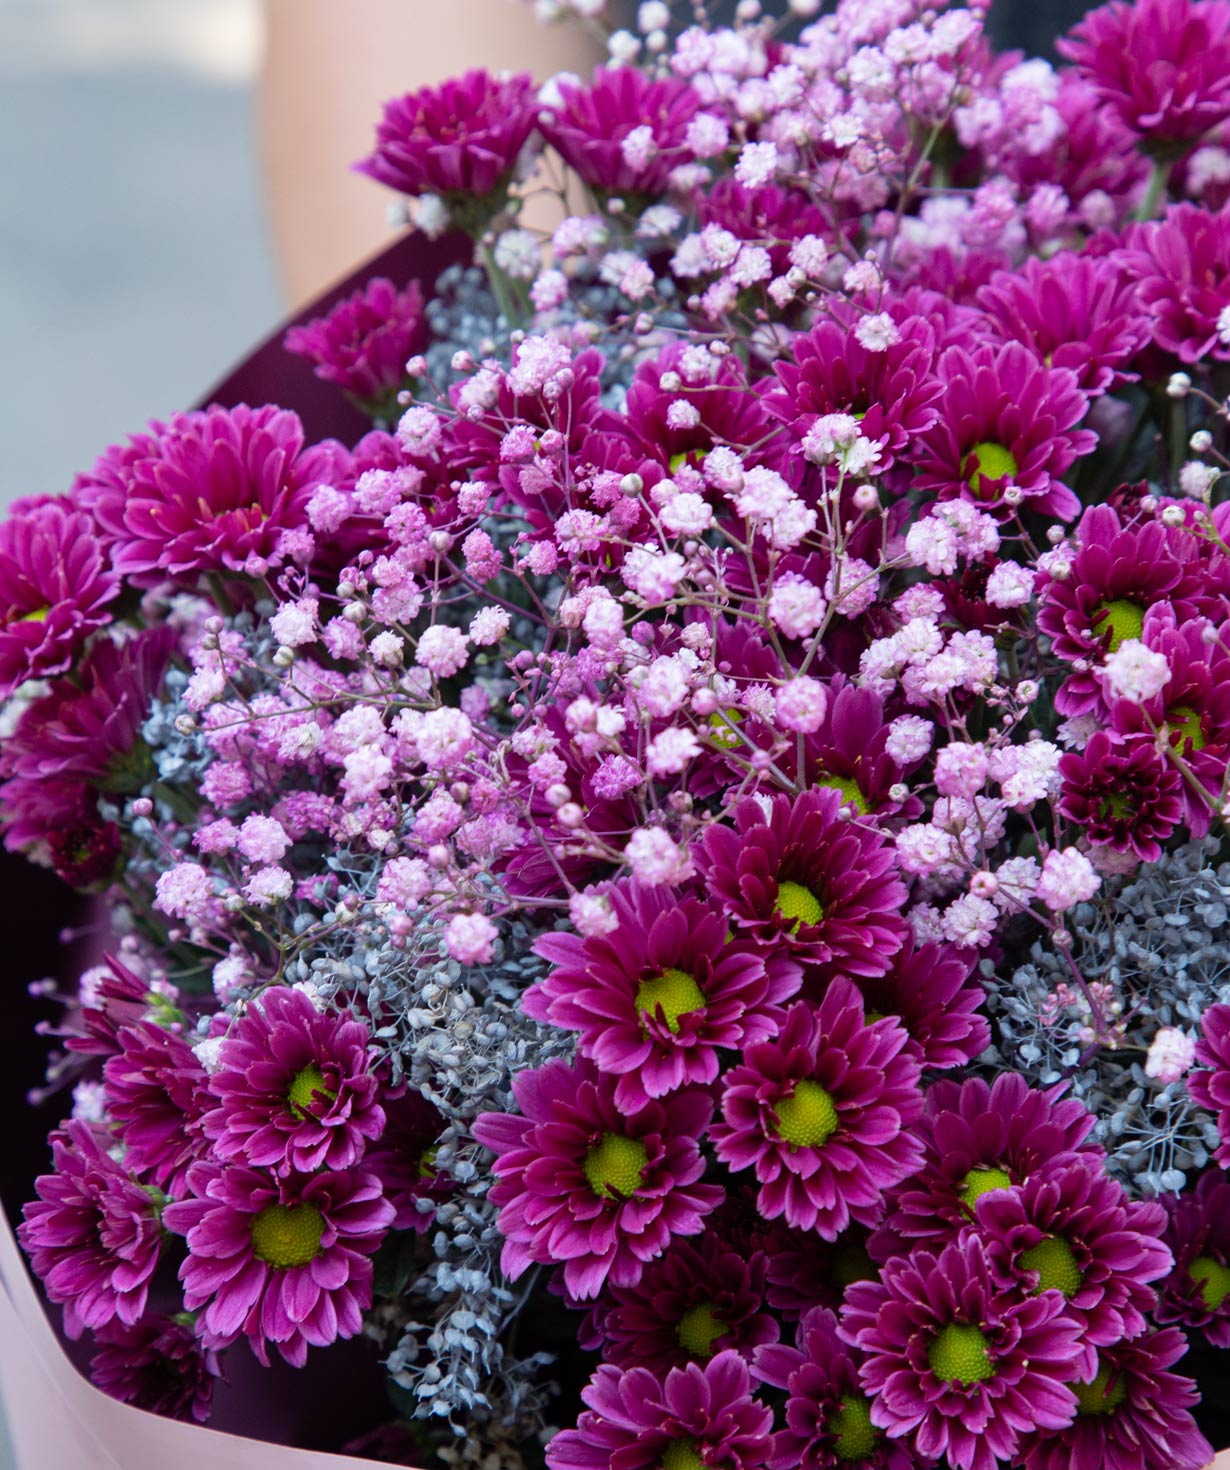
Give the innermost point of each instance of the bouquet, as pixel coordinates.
(678, 883)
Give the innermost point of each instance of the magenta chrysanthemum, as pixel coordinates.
(295, 1088)
(55, 590)
(1008, 420)
(932, 990)
(766, 216)
(404, 1158)
(1210, 1086)
(364, 342)
(656, 999)
(1162, 65)
(287, 1263)
(698, 1416)
(1197, 1291)
(821, 1113)
(1131, 1415)
(1073, 1230)
(1121, 792)
(158, 1365)
(804, 875)
(580, 1183)
(1182, 270)
(92, 1235)
(962, 1367)
(156, 1094)
(210, 491)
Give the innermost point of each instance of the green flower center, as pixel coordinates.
(1186, 724)
(959, 1355)
(721, 730)
(807, 1118)
(614, 1165)
(991, 460)
(288, 1235)
(1100, 1396)
(798, 903)
(682, 1455)
(851, 1264)
(1055, 1264)
(982, 1181)
(39, 615)
(1124, 619)
(1213, 1279)
(852, 1429)
(698, 1329)
(427, 1163)
(674, 992)
(304, 1087)
(848, 789)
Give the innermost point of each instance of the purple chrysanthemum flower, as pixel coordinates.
(822, 1113)
(1131, 1415)
(460, 138)
(958, 1364)
(770, 216)
(806, 876)
(1162, 65)
(1008, 420)
(92, 1235)
(699, 1299)
(1074, 1230)
(156, 1094)
(804, 1271)
(978, 1138)
(589, 124)
(894, 393)
(828, 1416)
(210, 491)
(655, 1000)
(286, 1263)
(1210, 1087)
(1182, 270)
(937, 997)
(1121, 792)
(113, 999)
(1119, 572)
(159, 1365)
(849, 752)
(698, 1416)
(582, 1184)
(1197, 1291)
(1074, 311)
(362, 345)
(404, 1158)
(295, 1088)
(54, 592)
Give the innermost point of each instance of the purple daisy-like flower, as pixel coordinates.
(1132, 1414)
(770, 216)
(589, 124)
(404, 1158)
(1162, 65)
(280, 1262)
(828, 1416)
(655, 1000)
(1210, 1086)
(961, 1366)
(804, 1271)
(978, 1138)
(1073, 1230)
(695, 1417)
(933, 991)
(700, 1298)
(156, 1364)
(1008, 420)
(1074, 311)
(894, 393)
(55, 590)
(1182, 270)
(581, 1183)
(806, 876)
(362, 345)
(1197, 1291)
(92, 1235)
(156, 1095)
(460, 138)
(210, 491)
(1119, 791)
(822, 1113)
(295, 1088)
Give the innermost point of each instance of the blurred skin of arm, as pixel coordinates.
(330, 65)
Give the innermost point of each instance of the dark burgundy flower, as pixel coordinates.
(460, 138)
(1210, 1086)
(364, 342)
(404, 1158)
(156, 1364)
(156, 1094)
(1119, 791)
(934, 992)
(1197, 1291)
(55, 590)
